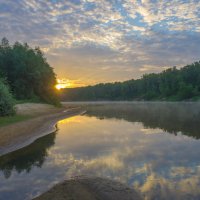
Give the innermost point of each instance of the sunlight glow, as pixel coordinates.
(63, 83)
(67, 83)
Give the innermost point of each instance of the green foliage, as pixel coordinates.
(4, 121)
(6, 100)
(27, 72)
(171, 84)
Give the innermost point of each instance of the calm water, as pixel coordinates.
(154, 148)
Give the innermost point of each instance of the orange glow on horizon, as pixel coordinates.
(66, 83)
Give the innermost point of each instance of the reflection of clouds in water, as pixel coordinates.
(153, 184)
(158, 186)
(159, 164)
(151, 131)
(178, 172)
(153, 163)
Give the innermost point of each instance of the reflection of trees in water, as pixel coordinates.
(170, 117)
(26, 158)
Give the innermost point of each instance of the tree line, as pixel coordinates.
(24, 75)
(171, 85)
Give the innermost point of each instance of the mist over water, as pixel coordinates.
(153, 147)
(170, 117)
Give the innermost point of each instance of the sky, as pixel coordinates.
(88, 41)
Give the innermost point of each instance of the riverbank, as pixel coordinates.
(27, 111)
(90, 188)
(37, 121)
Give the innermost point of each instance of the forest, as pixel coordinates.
(24, 75)
(170, 85)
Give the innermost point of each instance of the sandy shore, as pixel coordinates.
(90, 188)
(43, 120)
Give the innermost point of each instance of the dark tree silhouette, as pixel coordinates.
(171, 84)
(27, 72)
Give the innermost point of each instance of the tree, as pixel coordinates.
(171, 84)
(27, 72)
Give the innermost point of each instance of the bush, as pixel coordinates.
(6, 100)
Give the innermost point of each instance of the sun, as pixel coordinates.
(63, 83)
(58, 86)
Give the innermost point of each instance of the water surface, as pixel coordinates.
(153, 147)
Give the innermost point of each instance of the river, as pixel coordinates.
(153, 147)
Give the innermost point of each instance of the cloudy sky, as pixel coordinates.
(88, 41)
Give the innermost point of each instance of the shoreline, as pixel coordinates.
(42, 121)
(126, 102)
(18, 135)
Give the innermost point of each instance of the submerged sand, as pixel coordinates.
(90, 188)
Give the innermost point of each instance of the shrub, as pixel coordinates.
(6, 100)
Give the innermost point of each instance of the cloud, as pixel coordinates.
(137, 156)
(120, 36)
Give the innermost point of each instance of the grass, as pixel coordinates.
(28, 101)
(58, 104)
(4, 121)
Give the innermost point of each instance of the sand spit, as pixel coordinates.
(45, 117)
